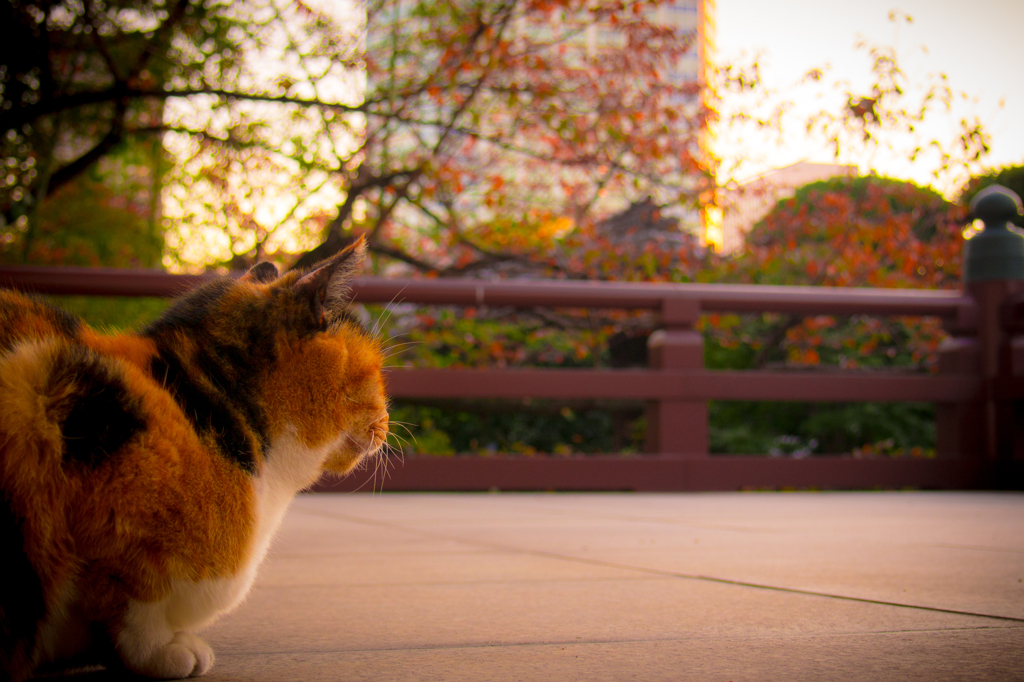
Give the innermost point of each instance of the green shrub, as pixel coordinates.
(112, 313)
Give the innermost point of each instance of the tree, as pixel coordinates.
(462, 138)
(865, 231)
(109, 215)
(898, 118)
(1011, 177)
(83, 181)
(419, 124)
(851, 232)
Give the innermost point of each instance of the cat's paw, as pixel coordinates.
(184, 656)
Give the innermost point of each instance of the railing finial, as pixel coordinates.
(997, 253)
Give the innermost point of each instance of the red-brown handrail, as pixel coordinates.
(532, 293)
(682, 385)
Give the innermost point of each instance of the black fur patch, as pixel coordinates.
(217, 389)
(100, 415)
(22, 604)
(65, 322)
(191, 311)
(211, 411)
(232, 370)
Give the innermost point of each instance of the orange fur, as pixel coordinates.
(307, 374)
(135, 469)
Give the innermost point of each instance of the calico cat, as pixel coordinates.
(142, 477)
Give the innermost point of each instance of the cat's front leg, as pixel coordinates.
(148, 645)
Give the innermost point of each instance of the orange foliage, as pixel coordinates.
(855, 232)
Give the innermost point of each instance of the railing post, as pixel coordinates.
(959, 432)
(993, 272)
(1013, 362)
(674, 426)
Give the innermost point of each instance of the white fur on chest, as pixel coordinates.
(289, 468)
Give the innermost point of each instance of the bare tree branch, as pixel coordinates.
(18, 117)
(115, 134)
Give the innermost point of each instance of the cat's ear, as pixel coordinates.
(327, 285)
(261, 273)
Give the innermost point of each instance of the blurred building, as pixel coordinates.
(693, 22)
(576, 37)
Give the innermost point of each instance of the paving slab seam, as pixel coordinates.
(339, 554)
(977, 548)
(747, 529)
(605, 642)
(456, 583)
(651, 571)
(656, 519)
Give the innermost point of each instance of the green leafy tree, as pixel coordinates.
(419, 124)
(1011, 177)
(83, 181)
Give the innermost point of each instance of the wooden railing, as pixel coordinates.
(979, 389)
(979, 442)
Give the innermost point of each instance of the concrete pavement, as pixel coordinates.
(748, 586)
(718, 587)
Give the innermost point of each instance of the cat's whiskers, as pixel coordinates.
(393, 346)
(374, 453)
(380, 461)
(388, 311)
(378, 450)
(359, 467)
(404, 441)
(382, 468)
(399, 453)
(379, 323)
(385, 450)
(386, 473)
(397, 349)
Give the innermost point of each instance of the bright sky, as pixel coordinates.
(979, 45)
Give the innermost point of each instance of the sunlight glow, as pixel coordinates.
(790, 38)
(973, 229)
(713, 232)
